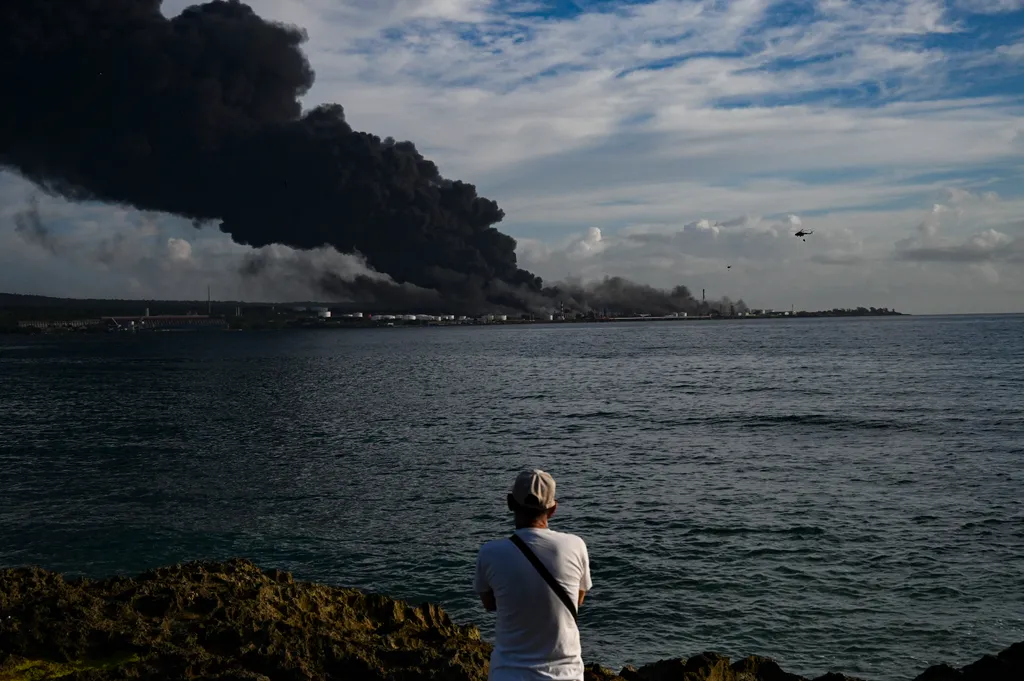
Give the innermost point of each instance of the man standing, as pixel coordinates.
(535, 580)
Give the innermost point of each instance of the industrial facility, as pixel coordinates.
(39, 314)
(169, 322)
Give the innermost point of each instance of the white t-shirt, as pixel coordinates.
(535, 636)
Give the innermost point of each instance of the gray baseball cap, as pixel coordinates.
(534, 489)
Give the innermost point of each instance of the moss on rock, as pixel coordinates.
(223, 620)
(20, 669)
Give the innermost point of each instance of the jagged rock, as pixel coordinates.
(715, 667)
(940, 672)
(595, 672)
(1006, 666)
(233, 622)
(225, 621)
(756, 668)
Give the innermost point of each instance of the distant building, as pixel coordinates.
(70, 324)
(165, 322)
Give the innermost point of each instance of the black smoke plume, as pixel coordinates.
(29, 226)
(199, 116)
(616, 296)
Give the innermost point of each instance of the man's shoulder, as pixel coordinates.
(568, 537)
(494, 545)
(563, 539)
(570, 541)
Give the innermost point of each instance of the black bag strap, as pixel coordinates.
(548, 577)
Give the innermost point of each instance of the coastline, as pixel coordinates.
(234, 621)
(222, 324)
(30, 314)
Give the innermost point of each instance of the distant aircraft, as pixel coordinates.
(728, 267)
(804, 232)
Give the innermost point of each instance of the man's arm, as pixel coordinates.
(481, 585)
(585, 582)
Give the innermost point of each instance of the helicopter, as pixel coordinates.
(804, 232)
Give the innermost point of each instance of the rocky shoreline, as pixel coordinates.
(234, 622)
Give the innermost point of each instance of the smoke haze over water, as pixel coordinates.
(618, 296)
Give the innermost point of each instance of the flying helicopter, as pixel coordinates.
(804, 232)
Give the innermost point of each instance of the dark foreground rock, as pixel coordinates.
(234, 622)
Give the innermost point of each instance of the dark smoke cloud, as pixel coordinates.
(618, 296)
(199, 116)
(29, 226)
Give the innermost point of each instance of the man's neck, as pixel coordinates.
(540, 524)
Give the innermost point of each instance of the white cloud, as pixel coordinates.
(939, 237)
(179, 250)
(1011, 52)
(592, 244)
(665, 251)
(991, 6)
(850, 259)
(989, 245)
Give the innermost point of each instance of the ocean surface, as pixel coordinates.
(839, 494)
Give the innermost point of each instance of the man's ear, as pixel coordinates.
(551, 511)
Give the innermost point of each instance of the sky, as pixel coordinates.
(667, 141)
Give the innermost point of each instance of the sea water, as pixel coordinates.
(839, 494)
